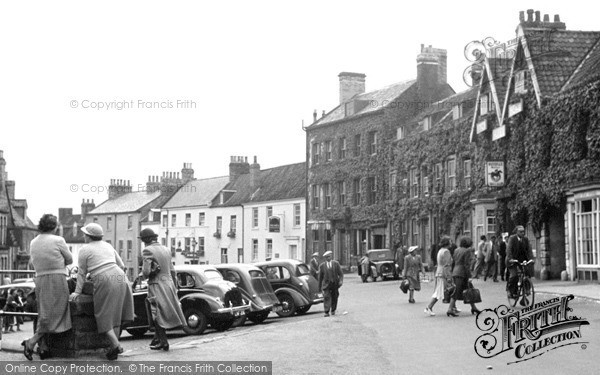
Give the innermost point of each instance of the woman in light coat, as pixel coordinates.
(113, 299)
(443, 274)
(413, 267)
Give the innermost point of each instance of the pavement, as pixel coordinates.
(11, 342)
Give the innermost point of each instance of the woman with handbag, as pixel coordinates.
(413, 267)
(443, 274)
(461, 275)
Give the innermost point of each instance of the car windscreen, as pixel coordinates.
(212, 275)
(303, 270)
(380, 255)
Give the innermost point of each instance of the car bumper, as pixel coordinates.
(235, 310)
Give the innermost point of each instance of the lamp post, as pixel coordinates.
(194, 258)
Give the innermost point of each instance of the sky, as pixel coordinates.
(91, 91)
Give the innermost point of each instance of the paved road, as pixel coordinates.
(376, 331)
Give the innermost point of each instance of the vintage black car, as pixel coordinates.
(384, 261)
(295, 287)
(255, 288)
(206, 299)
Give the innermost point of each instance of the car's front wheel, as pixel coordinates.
(222, 325)
(303, 310)
(196, 321)
(288, 305)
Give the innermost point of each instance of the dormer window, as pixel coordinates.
(484, 104)
(520, 82)
(456, 111)
(425, 124)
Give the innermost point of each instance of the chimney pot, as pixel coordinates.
(323, 114)
(556, 18)
(537, 16)
(529, 15)
(315, 115)
(546, 18)
(522, 16)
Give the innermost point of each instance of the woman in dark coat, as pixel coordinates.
(113, 299)
(413, 267)
(162, 292)
(461, 274)
(49, 256)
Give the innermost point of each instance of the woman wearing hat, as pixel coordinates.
(443, 273)
(50, 257)
(113, 300)
(413, 266)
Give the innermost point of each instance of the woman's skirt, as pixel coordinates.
(52, 296)
(113, 300)
(461, 284)
(438, 290)
(413, 283)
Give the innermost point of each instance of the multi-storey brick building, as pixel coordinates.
(16, 229)
(348, 158)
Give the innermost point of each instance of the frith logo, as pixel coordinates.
(530, 332)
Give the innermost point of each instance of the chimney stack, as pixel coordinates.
(522, 16)
(238, 165)
(529, 15)
(315, 116)
(351, 84)
(546, 18)
(118, 187)
(187, 173)
(537, 16)
(254, 171)
(2, 170)
(86, 207)
(64, 213)
(538, 22)
(433, 62)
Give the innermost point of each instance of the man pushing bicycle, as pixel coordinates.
(518, 251)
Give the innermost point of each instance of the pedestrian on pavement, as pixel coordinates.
(331, 279)
(314, 265)
(365, 267)
(413, 267)
(491, 258)
(518, 250)
(162, 292)
(113, 299)
(11, 305)
(480, 262)
(443, 273)
(502, 257)
(50, 257)
(461, 275)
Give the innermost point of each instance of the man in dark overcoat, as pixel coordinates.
(331, 279)
(518, 249)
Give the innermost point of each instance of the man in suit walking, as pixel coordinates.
(331, 279)
(518, 249)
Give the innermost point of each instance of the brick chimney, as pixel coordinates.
(86, 207)
(64, 213)
(432, 66)
(534, 21)
(153, 184)
(187, 173)
(351, 84)
(118, 188)
(169, 183)
(238, 165)
(254, 172)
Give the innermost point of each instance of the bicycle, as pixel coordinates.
(525, 289)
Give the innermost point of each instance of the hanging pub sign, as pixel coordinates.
(494, 173)
(274, 224)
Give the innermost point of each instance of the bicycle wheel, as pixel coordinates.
(512, 302)
(527, 293)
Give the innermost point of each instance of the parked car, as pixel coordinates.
(385, 264)
(206, 300)
(23, 280)
(255, 288)
(294, 286)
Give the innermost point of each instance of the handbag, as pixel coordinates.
(448, 292)
(404, 285)
(471, 295)
(150, 267)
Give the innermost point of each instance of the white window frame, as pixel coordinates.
(327, 151)
(297, 215)
(484, 104)
(254, 217)
(520, 82)
(343, 146)
(457, 111)
(451, 173)
(467, 173)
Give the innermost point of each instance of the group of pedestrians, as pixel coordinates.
(112, 295)
(14, 303)
(490, 258)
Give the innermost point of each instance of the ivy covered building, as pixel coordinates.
(348, 152)
(545, 135)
